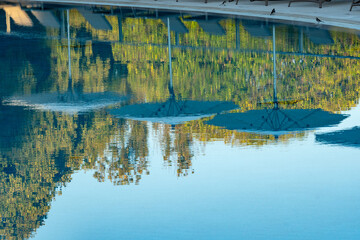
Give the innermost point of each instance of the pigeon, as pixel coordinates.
(273, 11)
(318, 20)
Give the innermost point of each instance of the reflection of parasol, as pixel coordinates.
(69, 102)
(173, 111)
(276, 121)
(46, 18)
(19, 16)
(72, 101)
(349, 137)
(209, 24)
(97, 21)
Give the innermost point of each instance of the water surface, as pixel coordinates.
(71, 168)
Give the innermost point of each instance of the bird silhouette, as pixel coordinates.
(272, 11)
(318, 20)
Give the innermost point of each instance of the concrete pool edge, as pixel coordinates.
(288, 17)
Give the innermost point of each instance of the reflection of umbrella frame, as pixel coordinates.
(172, 111)
(67, 102)
(276, 121)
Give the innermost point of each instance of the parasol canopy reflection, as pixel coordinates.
(73, 101)
(276, 121)
(348, 137)
(173, 111)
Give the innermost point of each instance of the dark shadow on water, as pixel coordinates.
(348, 137)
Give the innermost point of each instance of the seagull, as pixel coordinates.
(273, 11)
(318, 20)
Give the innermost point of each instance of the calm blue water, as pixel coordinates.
(101, 137)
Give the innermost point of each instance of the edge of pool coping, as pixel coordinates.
(284, 17)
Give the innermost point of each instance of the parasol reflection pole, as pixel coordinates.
(274, 62)
(301, 40)
(62, 30)
(8, 23)
(121, 36)
(68, 38)
(170, 63)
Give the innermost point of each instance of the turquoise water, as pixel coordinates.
(101, 137)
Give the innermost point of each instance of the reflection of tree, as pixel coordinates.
(182, 146)
(166, 143)
(207, 133)
(126, 157)
(176, 144)
(30, 173)
(43, 152)
(26, 191)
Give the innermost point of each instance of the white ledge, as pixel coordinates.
(334, 13)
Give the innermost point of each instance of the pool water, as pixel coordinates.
(108, 130)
